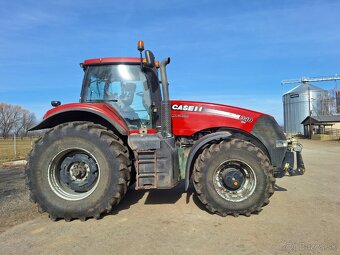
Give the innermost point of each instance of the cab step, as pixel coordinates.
(146, 169)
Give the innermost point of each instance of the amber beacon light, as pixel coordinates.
(140, 46)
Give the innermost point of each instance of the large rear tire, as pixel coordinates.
(78, 170)
(233, 177)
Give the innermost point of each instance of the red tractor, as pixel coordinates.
(125, 130)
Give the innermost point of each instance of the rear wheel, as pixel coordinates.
(78, 170)
(233, 177)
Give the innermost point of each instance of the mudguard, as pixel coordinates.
(96, 112)
(198, 147)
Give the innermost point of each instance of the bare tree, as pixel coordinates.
(15, 119)
(337, 100)
(27, 120)
(8, 118)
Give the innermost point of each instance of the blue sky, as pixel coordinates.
(231, 52)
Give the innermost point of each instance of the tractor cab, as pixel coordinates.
(125, 87)
(132, 87)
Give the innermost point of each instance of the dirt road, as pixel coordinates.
(15, 207)
(303, 217)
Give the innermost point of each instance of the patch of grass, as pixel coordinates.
(23, 146)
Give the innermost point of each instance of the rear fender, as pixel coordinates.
(198, 147)
(83, 114)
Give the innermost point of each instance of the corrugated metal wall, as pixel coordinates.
(295, 106)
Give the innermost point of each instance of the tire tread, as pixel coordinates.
(201, 164)
(115, 145)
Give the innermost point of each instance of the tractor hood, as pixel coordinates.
(189, 117)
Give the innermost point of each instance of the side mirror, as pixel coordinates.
(150, 58)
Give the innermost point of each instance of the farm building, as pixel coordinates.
(322, 125)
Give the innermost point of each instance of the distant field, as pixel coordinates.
(23, 146)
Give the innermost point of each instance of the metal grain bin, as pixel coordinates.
(295, 106)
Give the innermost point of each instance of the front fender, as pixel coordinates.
(198, 147)
(98, 113)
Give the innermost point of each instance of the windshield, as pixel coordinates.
(124, 87)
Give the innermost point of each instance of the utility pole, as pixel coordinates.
(309, 115)
(15, 146)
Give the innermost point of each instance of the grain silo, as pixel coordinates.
(296, 106)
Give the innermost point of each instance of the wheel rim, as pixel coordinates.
(73, 174)
(234, 180)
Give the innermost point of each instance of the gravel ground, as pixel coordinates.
(14, 200)
(303, 217)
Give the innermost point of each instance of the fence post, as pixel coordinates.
(15, 146)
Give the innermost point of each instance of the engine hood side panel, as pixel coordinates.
(189, 117)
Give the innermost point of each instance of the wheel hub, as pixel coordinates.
(79, 172)
(232, 178)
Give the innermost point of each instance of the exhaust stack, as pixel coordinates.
(166, 107)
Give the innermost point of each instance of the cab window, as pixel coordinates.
(125, 88)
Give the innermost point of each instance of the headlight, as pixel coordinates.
(281, 143)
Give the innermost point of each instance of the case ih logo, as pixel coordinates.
(189, 108)
(192, 108)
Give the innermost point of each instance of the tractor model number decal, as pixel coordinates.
(189, 108)
(246, 119)
(229, 115)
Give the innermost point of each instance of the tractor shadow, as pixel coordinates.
(131, 197)
(166, 196)
(279, 188)
(154, 197)
(192, 195)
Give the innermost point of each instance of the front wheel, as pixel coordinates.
(233, 177)
(78, 170)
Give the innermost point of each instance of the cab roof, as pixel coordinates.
(98, 61)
